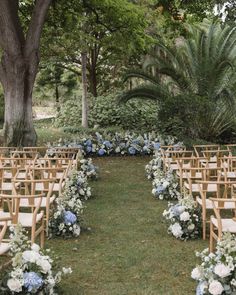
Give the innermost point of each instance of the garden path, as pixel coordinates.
(128, 250)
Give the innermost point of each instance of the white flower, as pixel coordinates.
(176, 230)
(35, 247)
(30, 256)
(77, 231)
(215, 288)
(67, 270)
(196, 273)
(166, 184)
(222, 270)
(191, 227)
(14, 285)
(44, 264)
(185, 216)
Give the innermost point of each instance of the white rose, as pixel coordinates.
(154, 191)
(81, 192)
(176, 230)
(30, 256)
(35, 247)
(185, 216)
(196, 274)
(215, 288)
(14, 285)
(222, 270)
(154, 167)
(166, 184)
(45, 265)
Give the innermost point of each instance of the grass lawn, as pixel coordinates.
(128, 250)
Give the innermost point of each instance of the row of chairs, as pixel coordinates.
(209, 174)
(30, 181)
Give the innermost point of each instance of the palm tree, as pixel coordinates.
(201, 68)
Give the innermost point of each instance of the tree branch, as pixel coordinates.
(11, 32)
(36, 25)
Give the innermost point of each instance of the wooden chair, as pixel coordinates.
(170, 158)
(215, 189)
(33, 220)
(199, 148)
(4, 244)
(219, 225)
(34, 187)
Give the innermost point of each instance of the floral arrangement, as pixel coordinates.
(154, 165)
(184, 218)
(165, 185)
(217, 271)
(66, 218)
(122, 143)
(88, 168)
(32, 270)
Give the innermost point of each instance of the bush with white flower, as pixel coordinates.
(88, 168)
(216, 275)
(77, 186)
(165, 185)
(32, 270)
(184, 218)
(67, 214)
(155, 164)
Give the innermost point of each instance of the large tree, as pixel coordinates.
(19, 65)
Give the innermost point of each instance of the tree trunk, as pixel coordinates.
(93, 73)
(18, 80)
(57, 97)
(84, 90)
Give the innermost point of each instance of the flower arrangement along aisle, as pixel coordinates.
(67, 218)
(154, 165)
(184, 218)
(88, 168)
(120, 143)
(216, 275)
(165, 185)
(32, 270)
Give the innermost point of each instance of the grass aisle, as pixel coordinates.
(128, 250)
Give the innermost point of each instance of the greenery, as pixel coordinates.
(106, 112)
(194, 83)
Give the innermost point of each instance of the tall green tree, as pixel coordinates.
(198, 75)
(20, 58)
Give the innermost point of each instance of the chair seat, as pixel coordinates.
(228, 225)
(185, 175)
(25, 202)
(25, 219)
(40, 187)
(4, 247)
(212, 187)
(229, 174)
(209, 205)
(6, 186)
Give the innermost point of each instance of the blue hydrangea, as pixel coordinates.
(145, 148)
(132, 150)
(32, 281)
(200, 288)
(88, 149)
(159, 189)
(69, 217)
(135, 141)
(156, 145)
(101, 152)
(175, 210)
(107, 144)
(88, 142)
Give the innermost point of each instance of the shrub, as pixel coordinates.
(104, 111)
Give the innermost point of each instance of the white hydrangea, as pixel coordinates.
(215, 288)
(176, 230)
(185, 216)
(222, 270)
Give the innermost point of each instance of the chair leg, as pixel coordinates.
(42, 237)
(203, 229)
(211, 237)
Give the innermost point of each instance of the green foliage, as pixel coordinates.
(105, 111)
(195, 82)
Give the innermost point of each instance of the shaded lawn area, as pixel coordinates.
(128, 250)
